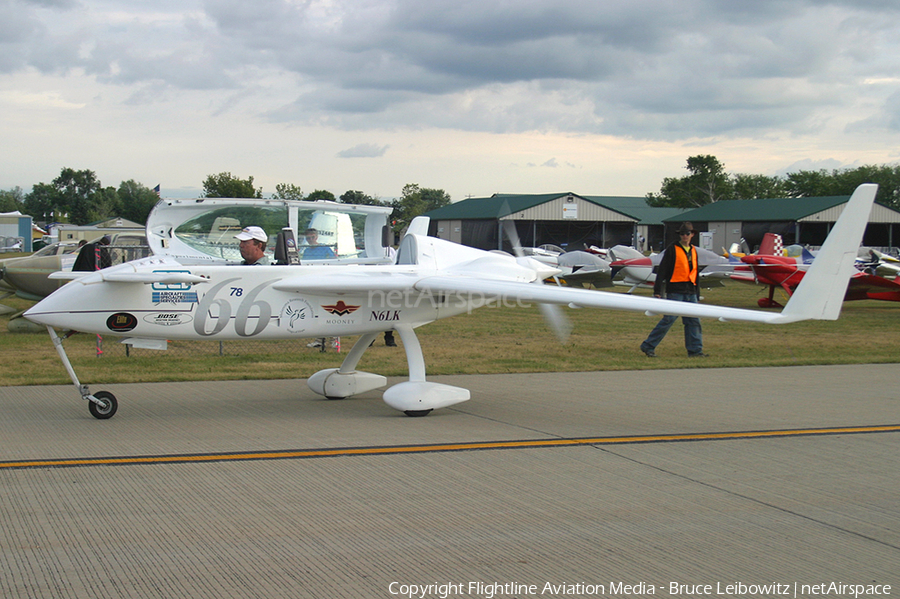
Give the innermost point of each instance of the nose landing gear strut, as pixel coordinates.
(102, 404)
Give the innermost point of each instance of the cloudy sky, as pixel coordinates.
(597, 97)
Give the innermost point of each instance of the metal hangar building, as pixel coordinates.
(567, 220)
(573, 221)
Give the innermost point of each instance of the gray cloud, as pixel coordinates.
(641, 68)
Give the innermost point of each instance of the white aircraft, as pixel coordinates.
(576, 268)
(581, 268)
(161, 298)
(876, 262)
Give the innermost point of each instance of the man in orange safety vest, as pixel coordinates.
(676, 280)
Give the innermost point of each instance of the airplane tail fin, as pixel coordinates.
(771, 245)
(820, 294)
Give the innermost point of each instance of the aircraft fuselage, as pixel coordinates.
(238, 302)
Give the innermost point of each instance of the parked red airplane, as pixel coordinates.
(770, 267)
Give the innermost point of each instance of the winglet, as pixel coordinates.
(820, 294)
(419, 226)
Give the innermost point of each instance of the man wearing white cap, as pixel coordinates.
(253, 245)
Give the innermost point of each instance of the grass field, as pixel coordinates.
(490, 340)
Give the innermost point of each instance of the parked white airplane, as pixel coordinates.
(877, 262)
(577, 268)
(163, 298)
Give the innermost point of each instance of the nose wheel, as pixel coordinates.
(416, 413)
(102, 405)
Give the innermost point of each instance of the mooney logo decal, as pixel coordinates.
(340, 308)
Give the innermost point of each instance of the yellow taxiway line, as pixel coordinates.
(438, 447)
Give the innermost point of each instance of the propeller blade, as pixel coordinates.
(509, 227)
(557, 321)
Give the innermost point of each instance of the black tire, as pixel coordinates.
(102, 412)
(417, 413)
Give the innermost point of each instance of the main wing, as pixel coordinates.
(509, 291)
(866, 286)
(819, 296)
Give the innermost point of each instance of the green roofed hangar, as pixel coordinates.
(572, 221)
(567, 220)
(804, 221)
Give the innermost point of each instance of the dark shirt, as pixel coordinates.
(92, 256)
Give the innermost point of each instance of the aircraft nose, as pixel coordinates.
(38, 313)
(55, 309)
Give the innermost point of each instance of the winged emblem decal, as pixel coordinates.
(340, 308)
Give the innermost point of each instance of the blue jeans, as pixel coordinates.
(693, 335)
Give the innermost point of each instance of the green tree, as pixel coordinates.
(74, 196)
(809, 184)
(416, 201)
(886, 176)
(287, 191)
(843, 181)
(77, 191)
(755, 187)
(12, 200)
(358, 197)
(106, 203)
(707, 183)
(321, 194)
(42, 203)
(224, 185)
(137, 200)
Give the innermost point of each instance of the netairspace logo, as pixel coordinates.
(397, 300)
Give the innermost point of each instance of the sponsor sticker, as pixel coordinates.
(296, 315)
(175, 297)
(121, 322)
(173, 293)
(340, 308)
(168, 319)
